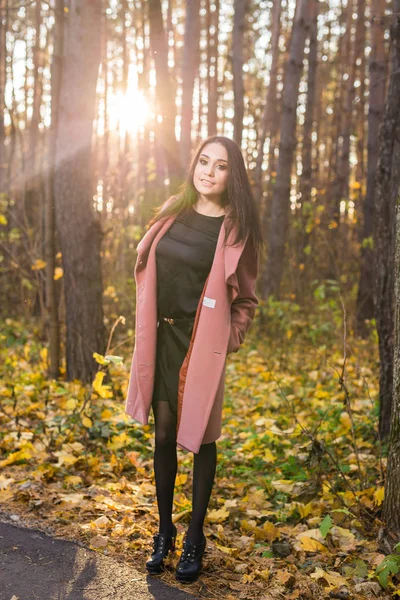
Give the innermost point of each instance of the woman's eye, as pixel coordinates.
(203, 161)
(221, 167)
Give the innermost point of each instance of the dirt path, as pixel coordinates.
(34, 566)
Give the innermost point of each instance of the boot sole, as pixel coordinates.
(187, 578)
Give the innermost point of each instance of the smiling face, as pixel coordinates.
(210, 175)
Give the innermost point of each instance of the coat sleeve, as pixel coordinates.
(244, 306)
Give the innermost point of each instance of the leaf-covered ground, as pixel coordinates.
(295, 511)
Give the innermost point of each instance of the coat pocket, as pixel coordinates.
(236, 339)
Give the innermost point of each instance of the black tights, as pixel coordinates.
(165, 468)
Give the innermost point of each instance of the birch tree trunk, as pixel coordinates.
(365, 301)
(78, 228)
(386, 194)
(391, 507)
(190, 66)
(164, 91)
(281, 196)
(237, 68)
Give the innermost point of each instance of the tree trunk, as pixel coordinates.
(3, 56)
(341, 186)
(212, 66)
(50, 237)
(307, 152)
(386, 194)
(281, 197)
(365, 301)
(266, 119)
(237, 68)
(391, 507)
(79, 230)
(191, 56)
(164, 92)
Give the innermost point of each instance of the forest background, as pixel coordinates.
(102, 104)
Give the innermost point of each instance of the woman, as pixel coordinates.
(195, 276)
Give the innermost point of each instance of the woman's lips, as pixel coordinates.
(207, 183)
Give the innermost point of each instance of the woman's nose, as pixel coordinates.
(209, 169)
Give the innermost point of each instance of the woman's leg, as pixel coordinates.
(165, 463)
(203, 478)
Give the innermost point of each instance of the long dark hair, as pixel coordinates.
(243, 215)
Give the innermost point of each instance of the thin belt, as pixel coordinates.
(176, 321)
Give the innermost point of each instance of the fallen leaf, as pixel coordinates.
(181, 479)
(283, 485)
(99, 541)
(218, 516)
(332, 579)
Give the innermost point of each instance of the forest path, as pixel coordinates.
(34, 566)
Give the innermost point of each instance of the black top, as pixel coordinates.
(184, 257)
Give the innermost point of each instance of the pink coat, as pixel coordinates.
(223, 317)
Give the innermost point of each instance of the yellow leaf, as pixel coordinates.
(217, 516)
(86, 422)
(304, 509)
(332, 579)
(99, 358)
(3, 220)
(58, 273)
(106, 414)
(356, 185)
(119, 441)
(379, 495)
(345, 421)
(310, 541)
(38, 264)
(181, 479)
(283, 485)
(44, 353)
(322, 394)
(310, 545)
(271, 532)
(104, 391)
(19, 455)
(71, 404)
(73, 479)
(65, 457)
(264, 574)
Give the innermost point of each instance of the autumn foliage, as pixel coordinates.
(297, 501)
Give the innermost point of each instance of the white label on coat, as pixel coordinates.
(209, 302)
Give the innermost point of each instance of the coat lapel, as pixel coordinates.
(230, 253)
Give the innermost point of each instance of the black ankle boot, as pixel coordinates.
(190, 562)
(162, 544)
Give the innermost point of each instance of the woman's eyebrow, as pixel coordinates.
(218, 159)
